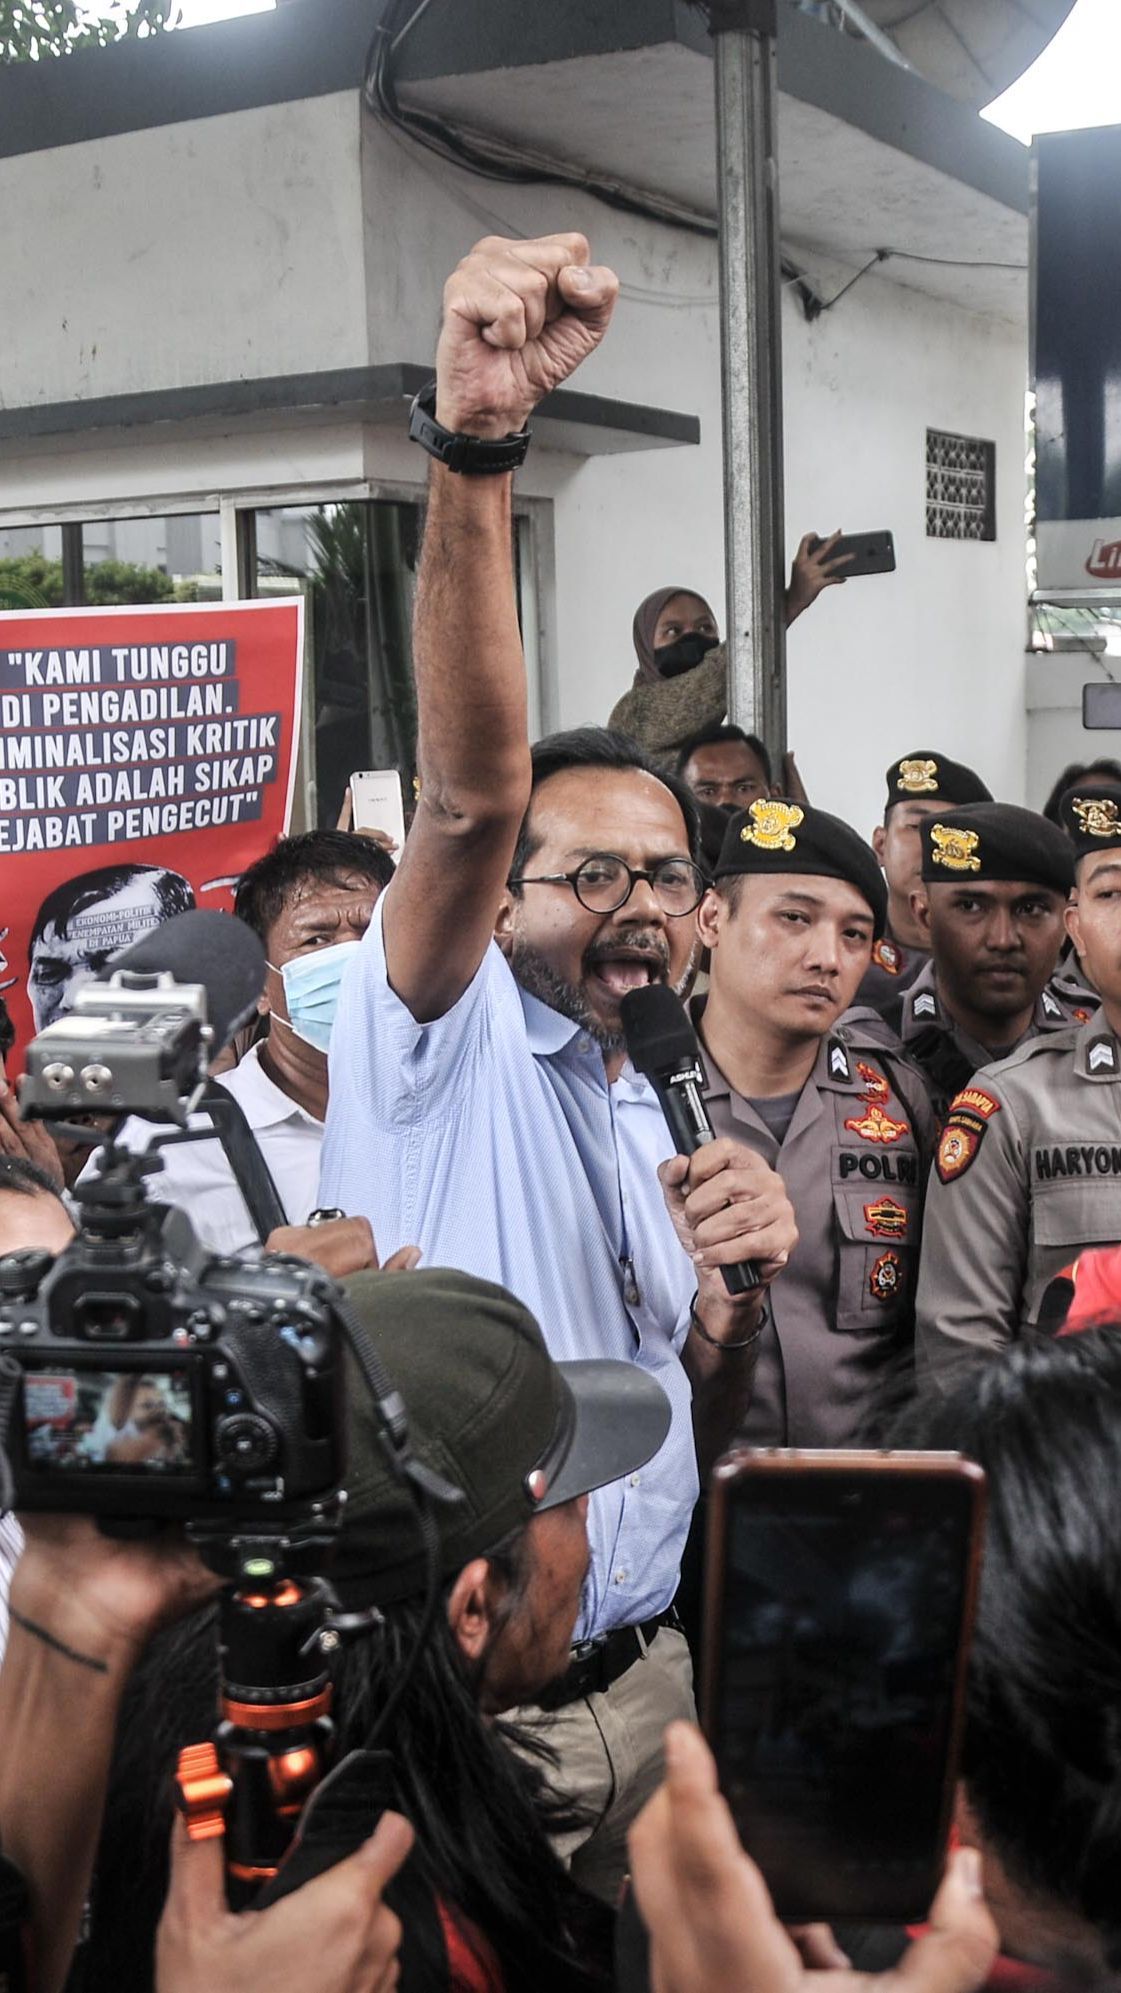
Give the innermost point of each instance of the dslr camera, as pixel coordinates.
(148, 1378)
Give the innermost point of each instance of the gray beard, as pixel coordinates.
(535, 975)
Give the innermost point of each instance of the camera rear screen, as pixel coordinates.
(118, 1421)
(842, 1619)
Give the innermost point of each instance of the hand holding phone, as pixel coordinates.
(377, 807)
(838, 1606)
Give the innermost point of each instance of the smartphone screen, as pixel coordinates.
(839, 1596)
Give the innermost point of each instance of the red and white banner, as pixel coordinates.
(147, 756)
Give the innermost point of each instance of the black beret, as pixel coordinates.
(775, 836)
(996, 841)
(927, 777)
(1091, 816)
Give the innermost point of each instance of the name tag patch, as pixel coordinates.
(877, 1169)
(1077, 1159)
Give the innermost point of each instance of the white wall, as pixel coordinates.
(237, 247)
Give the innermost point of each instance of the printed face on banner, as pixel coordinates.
(147, 757)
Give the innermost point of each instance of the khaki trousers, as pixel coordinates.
(609, 1752)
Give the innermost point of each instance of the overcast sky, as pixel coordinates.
(1075, 82)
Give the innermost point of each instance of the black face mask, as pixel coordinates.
(673, 659)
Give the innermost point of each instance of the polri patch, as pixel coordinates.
(876, 1126)
(886, 1219)
(886, 1278)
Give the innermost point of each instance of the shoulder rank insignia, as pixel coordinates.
(969, 1116)
(886, 1219)
(1051, 1005)
(876, 1088)
(839, 1068)
(1098, 815)
(886, 1278)
(773, 825)
(955, 849)
(925, 1004)
(1101, 1056)
(876, 1126)
(917, 778)
(886, 956)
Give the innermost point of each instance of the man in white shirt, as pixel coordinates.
(309, 900)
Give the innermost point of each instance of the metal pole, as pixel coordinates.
(751, 363)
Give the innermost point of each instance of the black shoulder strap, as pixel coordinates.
(245, 1159)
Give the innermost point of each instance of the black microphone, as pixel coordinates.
(662, 1045)
(207, 947)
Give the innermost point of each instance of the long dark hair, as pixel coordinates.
(1042, 1759)
(481, 1812)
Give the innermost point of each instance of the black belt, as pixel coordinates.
(596, 1664)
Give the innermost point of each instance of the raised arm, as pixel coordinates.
(518, 319)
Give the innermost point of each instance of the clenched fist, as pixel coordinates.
(518, 319)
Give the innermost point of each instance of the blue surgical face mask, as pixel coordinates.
(311, 991)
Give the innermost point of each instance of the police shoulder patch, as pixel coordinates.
(887, 957)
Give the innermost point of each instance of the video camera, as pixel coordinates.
(159, 1381)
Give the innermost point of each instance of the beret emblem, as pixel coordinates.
(956, 849)
(918, 778)
(772, 825)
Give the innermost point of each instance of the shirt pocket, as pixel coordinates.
(1082, 1211)
(877, 1230)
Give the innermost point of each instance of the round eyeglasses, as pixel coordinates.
(603, 883)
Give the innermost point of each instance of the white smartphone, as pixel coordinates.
(376, 804)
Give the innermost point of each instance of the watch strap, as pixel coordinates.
(474, 456)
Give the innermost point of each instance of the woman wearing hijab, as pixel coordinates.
(681, 684)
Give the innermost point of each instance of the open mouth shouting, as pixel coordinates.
(613, 968)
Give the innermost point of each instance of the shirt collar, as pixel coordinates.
(547, 1030)
(262, 1102)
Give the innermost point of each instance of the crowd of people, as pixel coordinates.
(911, 1050)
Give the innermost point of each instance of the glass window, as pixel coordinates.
(110, 561)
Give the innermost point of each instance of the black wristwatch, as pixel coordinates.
(475, 456)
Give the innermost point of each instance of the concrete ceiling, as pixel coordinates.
(644, 116)
(971, 48)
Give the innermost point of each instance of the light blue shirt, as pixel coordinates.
(492, 1140)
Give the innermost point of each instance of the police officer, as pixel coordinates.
(790, 922)
(995, 881)
(1028, 1167)
(918, 786)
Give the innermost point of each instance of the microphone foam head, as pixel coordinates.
(656, 1026)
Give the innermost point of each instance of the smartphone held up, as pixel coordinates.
(839, 1599)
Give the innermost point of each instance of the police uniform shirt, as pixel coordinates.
(892, 970)
(838, 1334)
(1027, 1172)
(945, 1053)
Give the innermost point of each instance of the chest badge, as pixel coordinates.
(885, 1281)
(886, 1219)
(955, 849)
(917, 777)
(876, 1088)
(876, 1126)
(1082, 1016)
(887, 957)
(773, 825)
